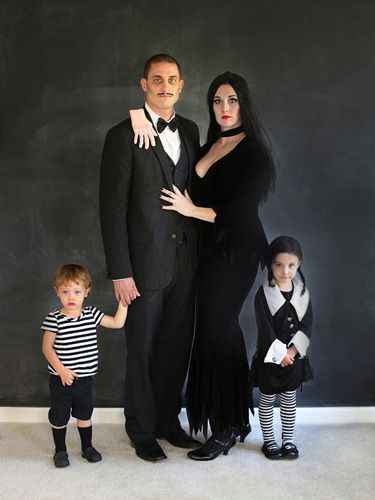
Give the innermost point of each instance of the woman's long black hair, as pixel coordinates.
(285, 244)
(250, 122)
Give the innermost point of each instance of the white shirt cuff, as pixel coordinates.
(276, 353)
(301, 342)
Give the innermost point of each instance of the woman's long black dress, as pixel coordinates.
(218, 384)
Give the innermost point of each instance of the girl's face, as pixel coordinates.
(72, 295)
(226, 107)
(284, 267)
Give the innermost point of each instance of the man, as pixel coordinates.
(151, 258)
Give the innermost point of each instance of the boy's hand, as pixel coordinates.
(67, 376)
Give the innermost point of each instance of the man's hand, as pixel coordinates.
(125, 291)
(67, 376)
(142, 128)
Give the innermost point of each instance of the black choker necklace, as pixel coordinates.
(231, 131)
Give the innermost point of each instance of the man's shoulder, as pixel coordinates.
(121, 128)
(186, 121)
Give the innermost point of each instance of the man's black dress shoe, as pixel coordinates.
(181, 440)
(212, 448)
(149, 450)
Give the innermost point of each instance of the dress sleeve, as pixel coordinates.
(301, 339)
(267, 339)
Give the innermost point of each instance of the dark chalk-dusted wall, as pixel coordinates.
(69, 70)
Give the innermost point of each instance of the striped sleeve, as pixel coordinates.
(50, 323)
(96, 314)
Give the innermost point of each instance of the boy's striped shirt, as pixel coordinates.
(76, 340)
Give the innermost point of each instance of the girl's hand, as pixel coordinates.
(288, 360)
(142, 128)
(67, 376)
(178, 202)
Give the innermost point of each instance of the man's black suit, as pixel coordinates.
(144, 241)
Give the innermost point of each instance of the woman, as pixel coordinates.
(235, 173)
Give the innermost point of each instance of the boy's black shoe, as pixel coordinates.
(290, 451)
(272, 451)
(91, 454)
(61, 459)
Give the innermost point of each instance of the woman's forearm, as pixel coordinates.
(203, 213)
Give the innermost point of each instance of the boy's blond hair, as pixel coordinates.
(72, 272)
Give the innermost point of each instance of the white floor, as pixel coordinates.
(336, 462)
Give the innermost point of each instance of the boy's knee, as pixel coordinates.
(58, 418)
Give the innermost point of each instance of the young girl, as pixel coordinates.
(70, 346)
(284, 318)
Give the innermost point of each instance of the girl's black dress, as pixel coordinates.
(230, 251)
(282, 318)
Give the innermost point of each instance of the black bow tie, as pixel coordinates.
(173, 124)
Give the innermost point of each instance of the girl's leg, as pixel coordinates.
(266, 403)
(288, 418)
(269, 448)
(288, 415)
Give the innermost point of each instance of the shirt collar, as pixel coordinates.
(154, 117)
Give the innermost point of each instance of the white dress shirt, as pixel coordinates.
(171, 141)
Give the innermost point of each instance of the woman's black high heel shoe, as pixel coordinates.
(242, 433)
(212, 448)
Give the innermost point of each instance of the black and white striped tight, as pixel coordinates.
(287, 415)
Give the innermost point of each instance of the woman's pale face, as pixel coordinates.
(226, 107)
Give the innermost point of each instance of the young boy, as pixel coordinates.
(70, 346)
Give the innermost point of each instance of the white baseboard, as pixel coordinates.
(306, 416)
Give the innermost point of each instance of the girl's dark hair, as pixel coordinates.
(250, 122)
(285, 244)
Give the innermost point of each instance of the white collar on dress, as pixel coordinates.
(275, 298)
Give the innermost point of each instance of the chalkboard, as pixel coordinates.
(70, 70)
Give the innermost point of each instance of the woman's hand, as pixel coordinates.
(178, 202)
(142, 128)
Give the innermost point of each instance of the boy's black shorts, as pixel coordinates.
(75, 399)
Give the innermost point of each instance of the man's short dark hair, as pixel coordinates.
(157, 58)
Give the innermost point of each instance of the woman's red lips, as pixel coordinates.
(225, 117)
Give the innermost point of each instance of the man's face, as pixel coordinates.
(162, 87)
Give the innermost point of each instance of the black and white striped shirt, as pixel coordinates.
(76, 341)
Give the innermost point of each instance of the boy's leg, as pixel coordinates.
(82, 410)
(58, 416)
(59, 434)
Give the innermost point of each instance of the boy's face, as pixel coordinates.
(72, 295)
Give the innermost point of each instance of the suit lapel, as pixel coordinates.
(164, 162)
(162, 157)
(186, 138)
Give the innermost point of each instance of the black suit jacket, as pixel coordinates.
(138, 236)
